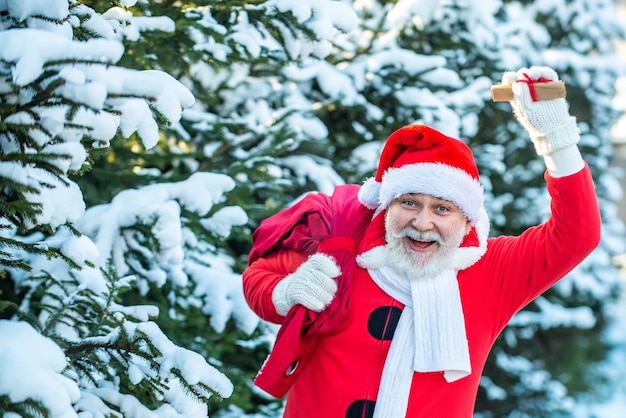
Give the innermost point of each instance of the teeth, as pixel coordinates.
(421, 241)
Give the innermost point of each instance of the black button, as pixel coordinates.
(363, 408)
(291, 369)
(383, 321)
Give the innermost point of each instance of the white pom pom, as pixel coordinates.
(369, 193)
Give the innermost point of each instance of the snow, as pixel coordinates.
(46, 47)
(32, 366)
(54, 9)
(320, 173)
(224, 219)
(619, 102)
(30, 362)
(554, 316)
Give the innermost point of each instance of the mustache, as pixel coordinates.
(416, 235)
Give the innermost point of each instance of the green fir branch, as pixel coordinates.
(28, 408)
(197, 391)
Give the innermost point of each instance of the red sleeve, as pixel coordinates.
(518, 269)
(262, 276)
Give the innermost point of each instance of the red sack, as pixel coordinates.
(318, 223)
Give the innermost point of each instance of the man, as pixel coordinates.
(407, 331)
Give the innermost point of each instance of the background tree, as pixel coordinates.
(290, 96)
(70, 345)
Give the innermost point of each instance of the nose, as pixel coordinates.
(422, 221)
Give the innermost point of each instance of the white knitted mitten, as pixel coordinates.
(548, 121)
(311, 285)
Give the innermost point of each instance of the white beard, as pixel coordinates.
(415, 266)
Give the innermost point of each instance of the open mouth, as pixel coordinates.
(419, 245)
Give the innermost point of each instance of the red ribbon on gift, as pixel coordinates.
(531, 84)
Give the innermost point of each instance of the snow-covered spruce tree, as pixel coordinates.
(70, 344)
(281, 113)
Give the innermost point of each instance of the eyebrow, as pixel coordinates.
(426, 194)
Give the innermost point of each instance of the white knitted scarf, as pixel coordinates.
(430, 336)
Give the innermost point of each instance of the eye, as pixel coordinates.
(407, 202)
(442, 208)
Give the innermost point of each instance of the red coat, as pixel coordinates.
(343, 373)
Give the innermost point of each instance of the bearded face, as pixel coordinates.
(422, 234)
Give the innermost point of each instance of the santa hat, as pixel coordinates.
(419, 159)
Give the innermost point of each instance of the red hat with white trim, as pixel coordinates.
(419, 159)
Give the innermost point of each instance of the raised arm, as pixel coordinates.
(521, 268)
